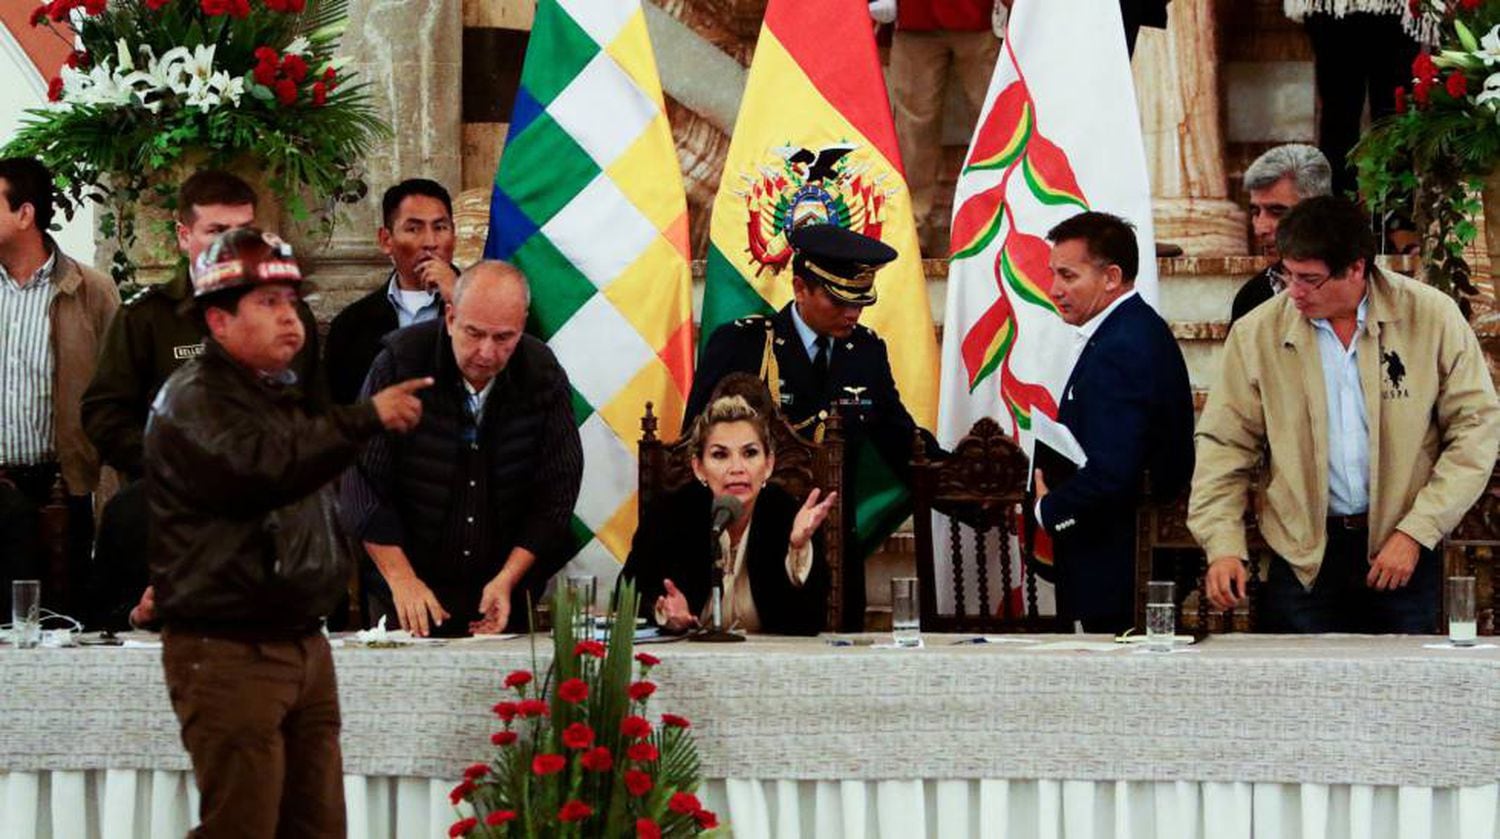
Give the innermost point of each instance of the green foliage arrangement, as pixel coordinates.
(161, 83)
(577, 755)
(1431, 157)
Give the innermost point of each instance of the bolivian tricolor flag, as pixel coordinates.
(814, 141)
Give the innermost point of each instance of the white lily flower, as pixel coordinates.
(299, 45)
(230, 87)
(1490, 94)
(1489, 47)
(126, 62)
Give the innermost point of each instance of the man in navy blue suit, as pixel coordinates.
(1130, 407)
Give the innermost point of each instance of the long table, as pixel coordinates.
(1235, 736)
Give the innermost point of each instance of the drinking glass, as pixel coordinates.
(581, 589)
(26, 613)
(1462, 627)
(1161, 615)
(906, 624)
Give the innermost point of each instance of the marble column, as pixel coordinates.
(410, 55)
(1177, 87)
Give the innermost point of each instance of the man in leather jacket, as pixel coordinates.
(243, 554)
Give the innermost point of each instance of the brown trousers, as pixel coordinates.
(261, 722)
(920, 63)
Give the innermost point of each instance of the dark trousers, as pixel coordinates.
(119, 574)
(261, 723)
(1340, 601)
(24, 555)
(1356, 56)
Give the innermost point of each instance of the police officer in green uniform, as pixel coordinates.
(155, 332)
(814, 354)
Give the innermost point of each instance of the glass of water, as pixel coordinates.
(1161, 615)
(906, 622)
(1463, 629)
(26, 613)
(581, 590)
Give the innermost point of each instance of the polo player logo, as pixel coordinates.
(1394, 369)
(835, 184)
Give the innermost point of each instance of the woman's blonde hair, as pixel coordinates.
(732, 402)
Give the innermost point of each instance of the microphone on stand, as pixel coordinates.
(726, 510)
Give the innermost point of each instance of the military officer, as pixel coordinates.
(155, 332)
(814, 354)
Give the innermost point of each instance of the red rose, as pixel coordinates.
(265, 74)
(706, 819)
(635, 727)
(506, 710)
(685, 803)
(330, 77)
(574, 811)
(593, 648)
(503, 738)
(94, 7)
(578, 736)
(462, 827)
(320, 94)
(76, 59)
(675, 721)
(1420, 93)
(638, 783)
(518, 678)
(55, 89)
(573, 691)
(294, 66)
(500, 817)
(476, 771)
(597, 759)
(58, 10)
(265, 55)
(1470, 5)
(1423, 69)
(296, 6)
(640, 691)
(1400, 96)
(460, 791)
(642, 752)
(547, 764)
(647, 659)
(155, 5)
(38, 15)
(532, 708)
(286, 91)
(646, 829)
(1456, 84)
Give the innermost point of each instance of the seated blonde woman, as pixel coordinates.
(776, 580)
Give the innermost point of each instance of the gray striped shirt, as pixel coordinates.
(26, 367)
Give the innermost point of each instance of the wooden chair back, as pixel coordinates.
(981, 488)
(801, 465)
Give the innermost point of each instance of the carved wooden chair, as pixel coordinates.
(1473, 550)
(801, 465)
(981, 488)
(1166, 550)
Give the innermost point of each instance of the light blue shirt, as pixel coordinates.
(808, 336)
(1348, 428)
(426, 304)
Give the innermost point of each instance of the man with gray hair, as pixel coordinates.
(1277, 181)
(470, 513)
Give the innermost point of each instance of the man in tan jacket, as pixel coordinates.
(1368, 394)
(53, 313)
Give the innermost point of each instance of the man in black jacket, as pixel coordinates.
(1277, 181)
(243, 560)
(417, 234)
(470, 513)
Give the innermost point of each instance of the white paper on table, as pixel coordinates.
(474, 639)
(1080, 646)
(1444, 645)
(133, 644)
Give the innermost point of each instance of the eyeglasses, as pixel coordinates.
(1287, 279)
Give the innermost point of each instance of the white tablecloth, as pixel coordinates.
(1243, 736)
(132, 804)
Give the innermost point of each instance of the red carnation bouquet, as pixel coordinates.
(578, 753)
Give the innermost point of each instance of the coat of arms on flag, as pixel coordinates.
(837, 184)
